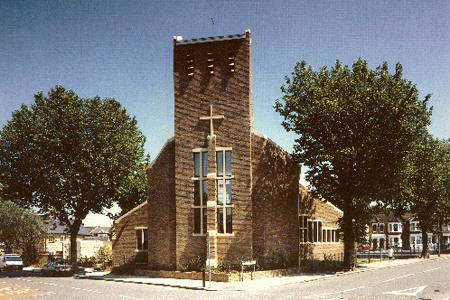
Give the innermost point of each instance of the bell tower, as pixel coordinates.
(213, 126)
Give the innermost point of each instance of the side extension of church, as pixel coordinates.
(219, 181)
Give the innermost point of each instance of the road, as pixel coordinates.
(424, 280)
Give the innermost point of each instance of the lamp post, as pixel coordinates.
(63, 238)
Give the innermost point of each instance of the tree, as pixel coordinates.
(429, 178)
(68, 156)
(354, 127)
(20, 229)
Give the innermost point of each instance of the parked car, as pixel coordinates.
(11, 262)
(57, 267)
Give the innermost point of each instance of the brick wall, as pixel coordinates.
(230, 95)
(161, 210)
(275, 205)
(124, 243)
(325, 211)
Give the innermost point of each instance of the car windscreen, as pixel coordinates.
(13, 258)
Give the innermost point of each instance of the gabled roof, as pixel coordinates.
(98, 230)
(53, 226)
(383, 218)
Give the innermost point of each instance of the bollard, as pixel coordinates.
(204, 277)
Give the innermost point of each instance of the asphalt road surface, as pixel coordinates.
(424, 280)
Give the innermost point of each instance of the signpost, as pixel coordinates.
(209, 258)
(248, 263)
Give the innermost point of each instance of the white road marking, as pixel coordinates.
(408, 292)
(333, 293)
(128, 297)
(399, 277)
(431, 270)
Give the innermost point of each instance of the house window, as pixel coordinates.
(382, 227)
(141, 239)
(224, 192)
(374, 227)
(51, 239)
(395, 227)
(200, 191)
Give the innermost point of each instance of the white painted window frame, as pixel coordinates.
(224, 177)
(141, 228)
(303, 229)
(200, 179)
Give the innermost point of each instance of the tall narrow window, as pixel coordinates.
(224, 192)
(197, 164)
(204, 164)
(200, 191)
(141, 239)
(315, 231)
(228, 163)
(219, 161)
(303, 229)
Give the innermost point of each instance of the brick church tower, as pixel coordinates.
(213, 125)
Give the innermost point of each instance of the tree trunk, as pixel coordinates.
(405, 235)
(424, 243)
(349, 241)
(73, 244)
(73, 251)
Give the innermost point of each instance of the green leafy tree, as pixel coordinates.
(68, 156)
(354, 127)
(429, 177)
(20, 229)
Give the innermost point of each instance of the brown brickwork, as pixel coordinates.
(317, 209)
(161, 209)
(275, 205)
(124, 242)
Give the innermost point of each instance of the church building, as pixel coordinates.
(219, 185)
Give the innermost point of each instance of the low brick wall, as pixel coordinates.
(182, 275)
(236, 276)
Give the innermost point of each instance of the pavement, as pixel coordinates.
(251, 285)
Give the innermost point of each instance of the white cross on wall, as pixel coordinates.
(211, 119)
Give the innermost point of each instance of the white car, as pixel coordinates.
(57, 267)
(11, 262)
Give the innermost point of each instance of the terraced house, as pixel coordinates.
(218, 182)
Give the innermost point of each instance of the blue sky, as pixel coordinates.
(123, 49)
